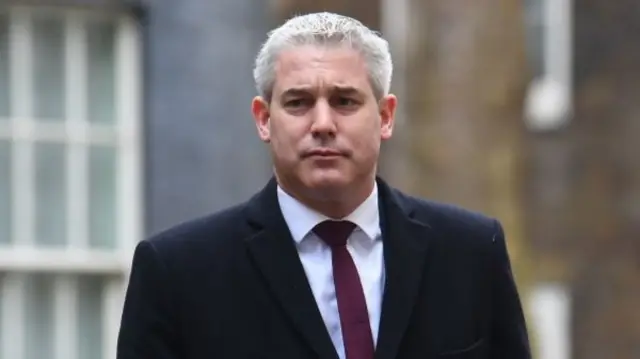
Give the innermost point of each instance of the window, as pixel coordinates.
(551, 321)
(70, 196)
(549, 44)
(534, 21)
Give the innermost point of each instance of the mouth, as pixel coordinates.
(323, 153)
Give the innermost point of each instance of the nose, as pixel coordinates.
(323, 125)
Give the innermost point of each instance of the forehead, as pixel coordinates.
(319, 67)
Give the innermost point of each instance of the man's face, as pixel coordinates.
(324, 124)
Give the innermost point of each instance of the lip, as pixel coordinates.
(323, 153)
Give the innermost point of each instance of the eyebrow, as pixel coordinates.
(298, 91)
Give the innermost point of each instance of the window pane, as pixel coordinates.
(4, 67)
(90, 317)
(5, 192)
(102, 196)
(50, 193)
(101, 48)
(49, 69)
(39, 316)
(534, 17)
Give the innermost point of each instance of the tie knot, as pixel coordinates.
(334, 233)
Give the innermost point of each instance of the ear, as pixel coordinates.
(260, 110)
(388, 106)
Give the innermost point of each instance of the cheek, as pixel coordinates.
(366, 138)
(366, 149)
(285, 141)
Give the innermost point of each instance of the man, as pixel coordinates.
(327, 261)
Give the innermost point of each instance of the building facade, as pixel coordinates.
(117, 120)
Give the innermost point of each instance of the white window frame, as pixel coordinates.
(550, 305)
(549, 102)
(22, 256)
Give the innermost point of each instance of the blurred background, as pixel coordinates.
(120, 118)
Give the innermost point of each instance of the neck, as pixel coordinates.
(333, 203)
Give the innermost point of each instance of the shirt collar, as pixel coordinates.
(301, 219)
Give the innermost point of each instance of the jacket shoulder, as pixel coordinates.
(218, 229)
(450, 219)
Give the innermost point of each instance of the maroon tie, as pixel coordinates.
(352, 307)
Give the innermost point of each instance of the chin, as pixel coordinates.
(327, 180)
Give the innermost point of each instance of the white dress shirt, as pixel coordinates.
(365, 247)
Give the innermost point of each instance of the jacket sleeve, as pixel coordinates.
(148, 327)
(509, 330)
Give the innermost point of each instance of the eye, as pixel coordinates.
(343, 101)
(296, 102)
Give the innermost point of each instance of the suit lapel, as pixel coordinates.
(405, 243)
(275, 254)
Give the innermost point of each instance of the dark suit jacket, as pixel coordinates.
(231, 286)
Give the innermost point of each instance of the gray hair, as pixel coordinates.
(325, 29)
